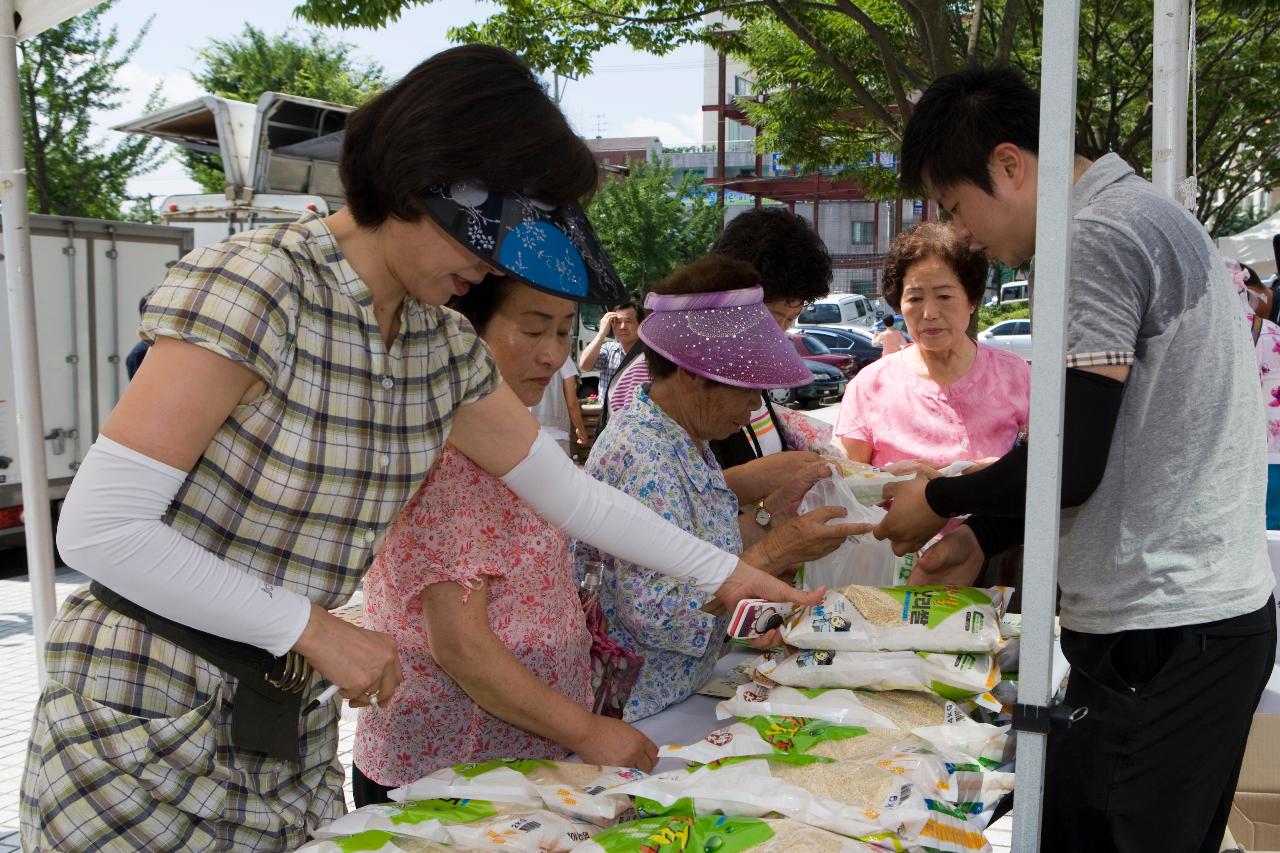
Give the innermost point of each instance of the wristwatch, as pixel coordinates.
(763, 516)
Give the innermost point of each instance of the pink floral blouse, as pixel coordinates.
(903, 415)
(464, 523)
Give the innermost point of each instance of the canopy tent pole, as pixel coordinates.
(22, 323)
(1169, 97)
(1056, 170)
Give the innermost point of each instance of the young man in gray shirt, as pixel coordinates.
(1166, 590)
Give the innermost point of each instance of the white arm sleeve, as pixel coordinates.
(614, 522)
(111, 529)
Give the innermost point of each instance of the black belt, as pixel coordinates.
(268, 698)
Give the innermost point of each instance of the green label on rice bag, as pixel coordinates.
(798, 734)
(445, 811)
(524, 766)
(796, 758)
(949, 691)
(930, 606)
(374, 839)
(681, 833)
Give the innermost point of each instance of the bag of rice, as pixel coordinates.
(418, 818)
(580, 791)
(537, 831)
(953, 676)
(855, 800)
(375, 841)
(902, 618)
(761, 736)
(677, 833)
(898, 710)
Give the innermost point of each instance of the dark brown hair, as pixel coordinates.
(705, 275)
(933, 240)
(791, 258)
(471, 112)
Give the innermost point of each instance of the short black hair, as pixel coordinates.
(959, 121)
(629, 305)
(888, 321)
(480, 303)
(471, 112)
(792, 260)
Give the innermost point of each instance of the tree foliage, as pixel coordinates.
(66, 75)
(648, 228)
(246, 65)
(841, 75)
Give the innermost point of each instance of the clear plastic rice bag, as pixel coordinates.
(904, 618)
(580, 791)
(720, 834)
(961, 676)
(426, 819)
(894, 710)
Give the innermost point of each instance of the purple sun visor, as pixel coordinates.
(728, 336)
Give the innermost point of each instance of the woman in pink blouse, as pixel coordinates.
(477, 590)
(946, 398)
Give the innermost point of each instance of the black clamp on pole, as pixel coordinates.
(1042, 719)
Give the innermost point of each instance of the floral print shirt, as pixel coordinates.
(464, 523)
(646, 454)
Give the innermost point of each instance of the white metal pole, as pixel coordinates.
(22, 322)
(1169, 96)
(1056, 169)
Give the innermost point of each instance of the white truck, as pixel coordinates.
(90, 275)
(280, 161)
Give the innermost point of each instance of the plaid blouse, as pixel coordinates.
(131, 746)
(298, 486)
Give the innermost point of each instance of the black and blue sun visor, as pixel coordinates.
(547, 247)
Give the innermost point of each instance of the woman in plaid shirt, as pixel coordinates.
(302, 382)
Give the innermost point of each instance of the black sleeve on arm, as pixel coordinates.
(995, 535)
(1089, 420)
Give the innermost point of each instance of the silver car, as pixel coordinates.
(1011, 335)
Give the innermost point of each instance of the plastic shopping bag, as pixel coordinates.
(860, 559)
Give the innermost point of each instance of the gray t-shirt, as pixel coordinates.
(1175, 533)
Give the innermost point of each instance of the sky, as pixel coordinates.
(628, 93)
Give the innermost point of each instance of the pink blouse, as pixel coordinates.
(463, 523)
(903, 415)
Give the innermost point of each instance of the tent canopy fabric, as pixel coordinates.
(39, 15)
(1254, 246)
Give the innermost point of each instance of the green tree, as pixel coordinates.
(246, 65)
(840, 75)
(66, 75)
(649, 223)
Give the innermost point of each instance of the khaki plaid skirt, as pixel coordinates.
(131, 750)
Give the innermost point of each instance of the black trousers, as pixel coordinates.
(368, 792)
(1153, 767)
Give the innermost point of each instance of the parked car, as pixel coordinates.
(811, 348)
(843, 308)
(845, 341)
(1011, 335)
(828, 384)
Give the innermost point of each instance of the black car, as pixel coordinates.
(828, 382)
(844, 341)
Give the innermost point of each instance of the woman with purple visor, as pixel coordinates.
(303, 381)
(712, 347)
